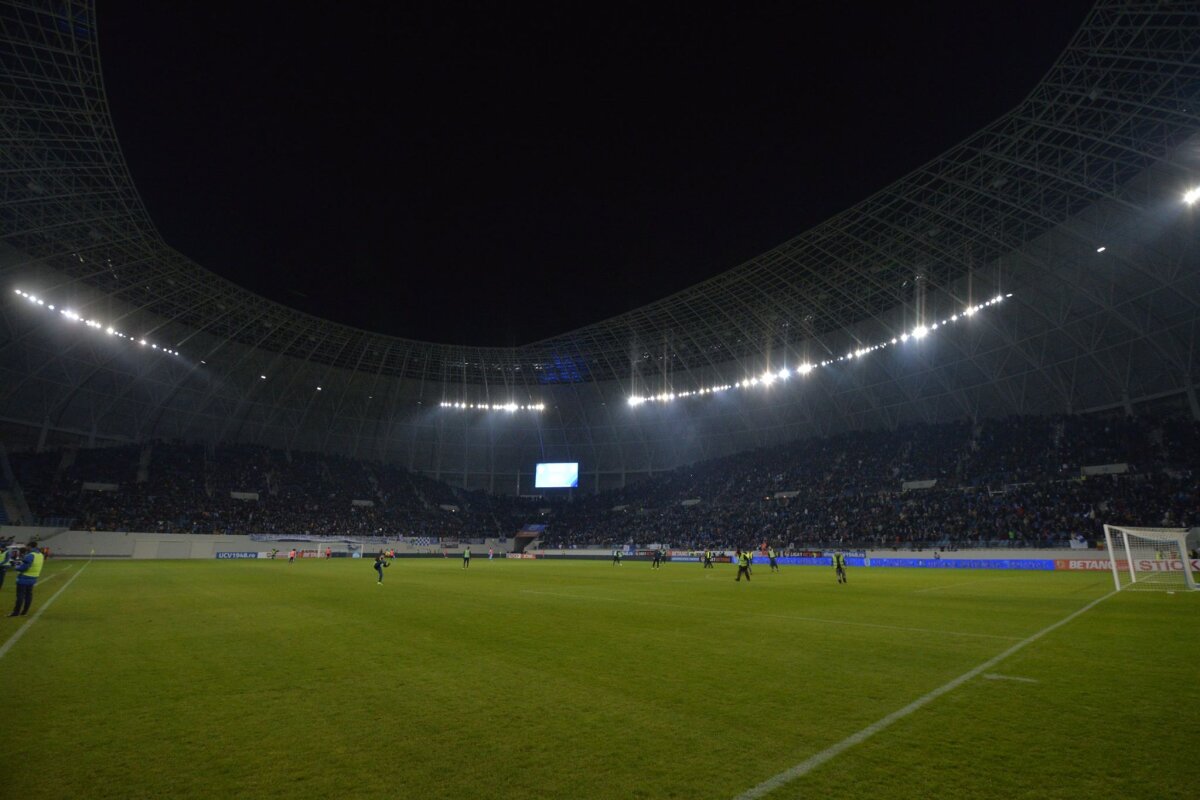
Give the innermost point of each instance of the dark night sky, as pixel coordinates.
(485, 174)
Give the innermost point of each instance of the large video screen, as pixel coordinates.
(557, 476)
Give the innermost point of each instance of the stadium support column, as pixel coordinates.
(1192, 403)
(919, 290)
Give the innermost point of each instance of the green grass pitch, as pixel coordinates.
(550, 679)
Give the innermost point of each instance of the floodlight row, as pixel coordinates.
(510, 407)
(769, 377)
(71, 316)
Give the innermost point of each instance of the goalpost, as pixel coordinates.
(1149, 558)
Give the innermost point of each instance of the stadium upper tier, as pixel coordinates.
(1072, 202)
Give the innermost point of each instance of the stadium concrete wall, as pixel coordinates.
(26, 533)
(140, 545)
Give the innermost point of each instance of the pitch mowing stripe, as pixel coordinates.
(960, 583)
(37, 614)
(797, 618)
(812, 762)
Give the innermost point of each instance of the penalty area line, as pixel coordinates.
(37, 614)
(812, 762)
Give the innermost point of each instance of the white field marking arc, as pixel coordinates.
(994, 677)
(847, 623)
(37, 614)
(814, 761)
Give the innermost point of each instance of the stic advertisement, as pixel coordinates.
(1142, 565)
(232, 554)
(519, 555)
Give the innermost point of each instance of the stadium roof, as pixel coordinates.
(1104, 142)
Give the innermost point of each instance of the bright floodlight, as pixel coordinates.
(1191, 196)
(920, 332)
(805, 369)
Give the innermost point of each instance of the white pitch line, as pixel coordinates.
(820, 620)
(814, 761)
(37, 614)
(994, 677)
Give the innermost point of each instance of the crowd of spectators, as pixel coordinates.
(1013, 482)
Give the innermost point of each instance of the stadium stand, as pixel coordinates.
(1033, 279)
(1011, 482)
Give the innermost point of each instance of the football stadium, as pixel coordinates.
(906, 506)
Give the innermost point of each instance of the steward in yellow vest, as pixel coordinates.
(30, 569)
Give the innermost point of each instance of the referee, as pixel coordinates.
(839, 566)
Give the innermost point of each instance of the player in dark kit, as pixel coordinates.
(657, 559)
(380, 563)
(839, 567)
(6, 561)
(771, 554)
(743, 562)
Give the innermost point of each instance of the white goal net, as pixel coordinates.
(1149, 558)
